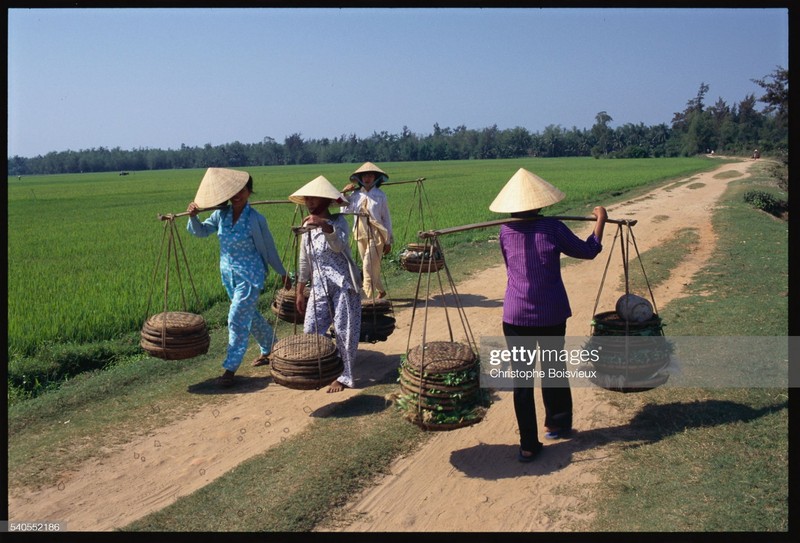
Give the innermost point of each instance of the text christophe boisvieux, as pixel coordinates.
(520, 355)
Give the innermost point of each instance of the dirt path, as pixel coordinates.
(462, 480)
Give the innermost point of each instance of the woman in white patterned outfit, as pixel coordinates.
(335, 281)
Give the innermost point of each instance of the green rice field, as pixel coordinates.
(83, 248)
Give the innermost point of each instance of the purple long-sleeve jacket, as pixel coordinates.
(535, 293)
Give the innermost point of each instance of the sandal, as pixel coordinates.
(262, 360)
(528, 458)
(558, 433)
(225, 380)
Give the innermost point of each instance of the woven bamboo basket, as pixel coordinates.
(283, 305)
(305, 361)
(377, 322)
(417, 257)
(625, 368)
(175, 335)
(440, 385)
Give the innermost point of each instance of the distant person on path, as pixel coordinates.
(246, 251)
(325, 261)
(536, 306)
(373, 234)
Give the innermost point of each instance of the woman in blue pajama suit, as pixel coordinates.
(246, 251)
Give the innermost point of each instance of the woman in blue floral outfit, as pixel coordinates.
(247, 249)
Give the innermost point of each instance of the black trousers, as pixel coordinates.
(556, 394)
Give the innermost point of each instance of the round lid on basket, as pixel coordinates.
(304, 347)
(634, 308)
(441, 357)
(175, 322)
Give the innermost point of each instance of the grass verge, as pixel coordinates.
(291, 487)
(712, 459)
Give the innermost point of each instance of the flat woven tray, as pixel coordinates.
(175, 323)
(303, 383)
(441, 357)
(303, 347)
(179, 353)
(420, 266)
(305, 366)
(377, 305)
(287, 314)
(325, 372)
(414, 381)
(175, 343)
(434, 399)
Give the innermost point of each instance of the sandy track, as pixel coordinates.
(462, 480)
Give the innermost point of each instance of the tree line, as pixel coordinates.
(736, 129)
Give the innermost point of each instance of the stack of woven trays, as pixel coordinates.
(441, 379)
(305, 361)
(175, 335)
(418, 257)
(284, 306)
(377, 323)
(624, 364)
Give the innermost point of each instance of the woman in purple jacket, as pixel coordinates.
(536, 303)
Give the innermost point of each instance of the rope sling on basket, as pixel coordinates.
(420, 257)
(173, 335)
(439, 380)
(283, 304)
(632, 353)
(305, 360)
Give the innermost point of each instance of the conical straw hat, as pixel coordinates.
(368, 167)
(525, 191)
(380, 175)
(319, 187)
(219, 185)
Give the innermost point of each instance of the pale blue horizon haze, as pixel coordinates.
(161, 78)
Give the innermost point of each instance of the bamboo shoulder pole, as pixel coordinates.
(399, 182)
(433, 233)
(170, 216)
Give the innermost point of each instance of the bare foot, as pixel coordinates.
(337, 386)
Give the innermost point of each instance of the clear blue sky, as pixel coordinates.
(159, 78)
